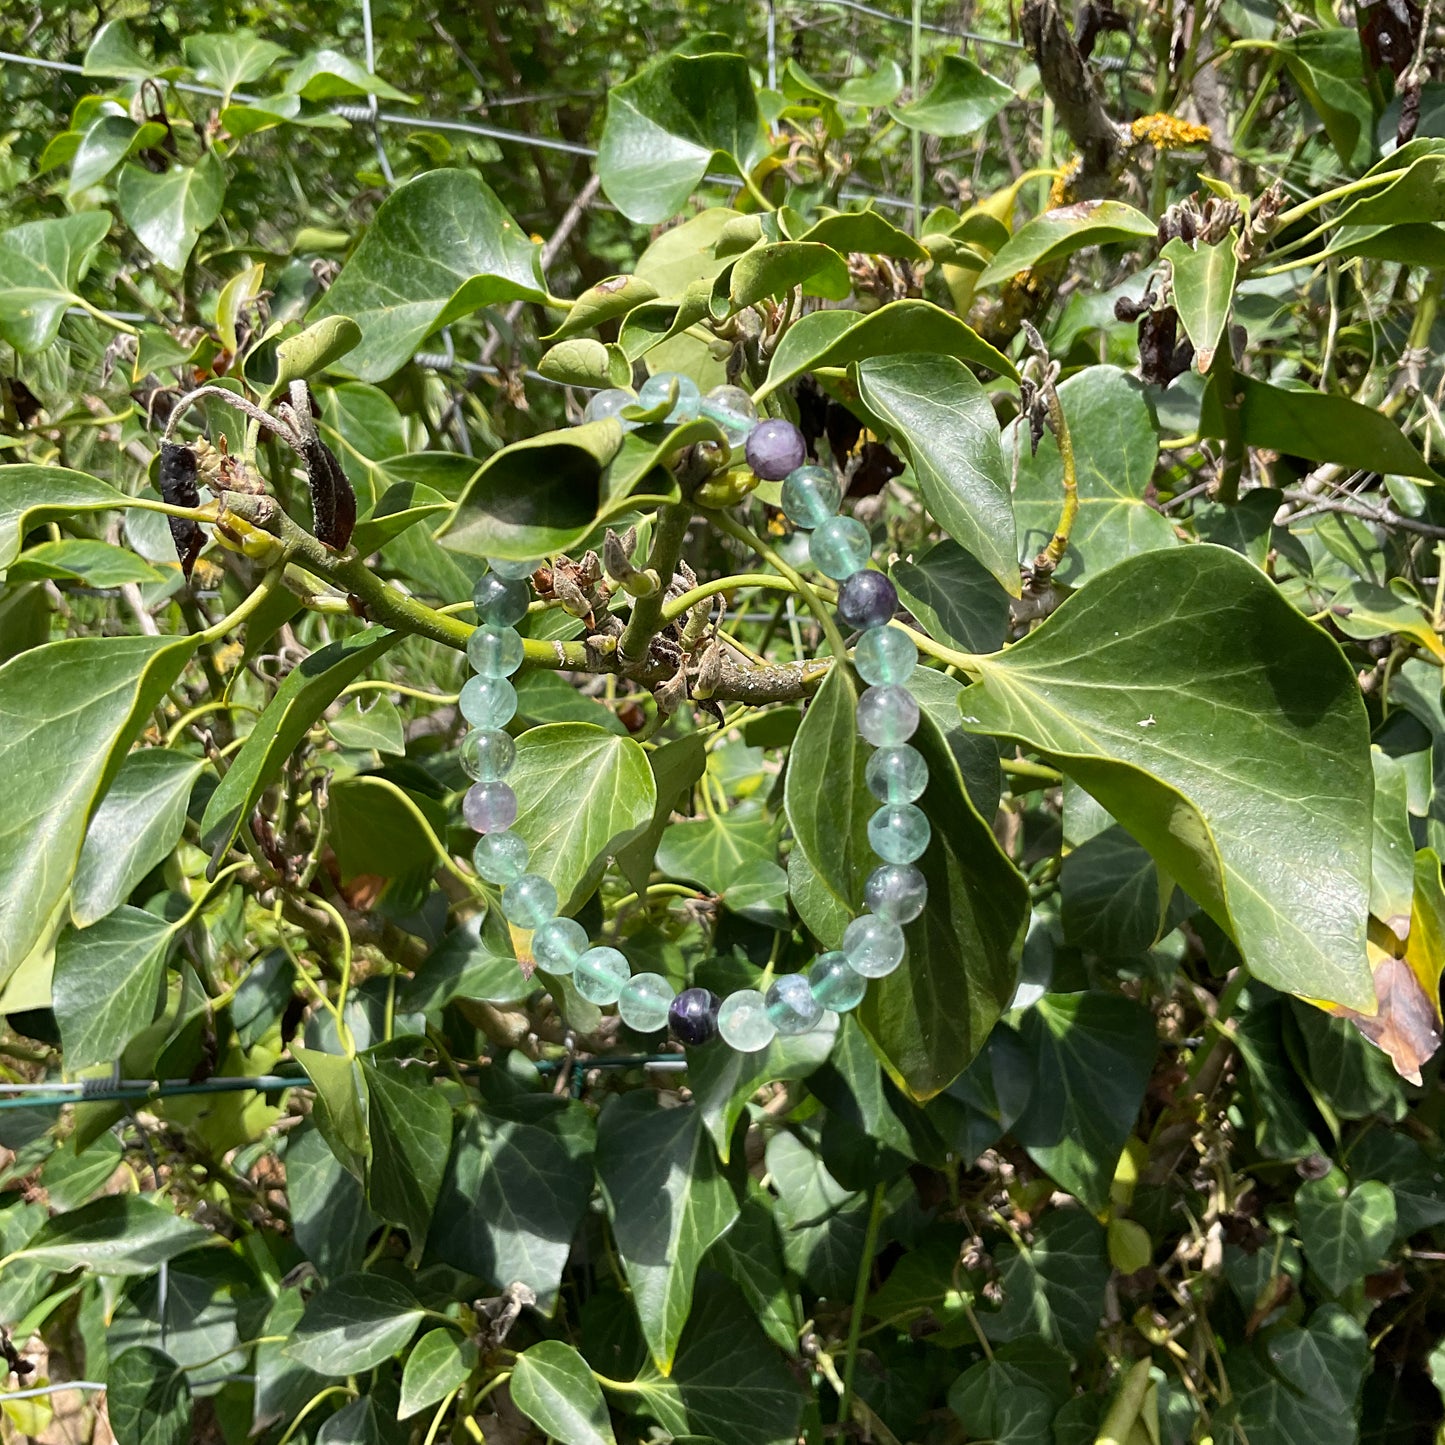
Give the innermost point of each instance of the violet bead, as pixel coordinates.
(867, 599)
(489, 807)
(775, 448)
(692, 1016)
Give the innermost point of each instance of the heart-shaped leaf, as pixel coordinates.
(104, 144)
(951, 593)
(552, 1386)
(41, 263)
(440, 1363)
(228, 60)
(961, 100)
(1346, 1232)
(354, 1325)
(329, 75)
(169, 211)
(1061, 232)
(147, 1398)
(1203, 291)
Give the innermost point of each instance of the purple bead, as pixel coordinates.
(489, 807)
(692, 1016)
(867, 599)
(775, 448)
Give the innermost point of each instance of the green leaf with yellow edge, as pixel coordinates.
(1060, 232)
(1185, 694)
(1364, 610)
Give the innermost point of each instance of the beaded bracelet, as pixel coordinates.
(887, 715)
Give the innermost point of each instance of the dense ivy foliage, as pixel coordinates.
(1121, 340)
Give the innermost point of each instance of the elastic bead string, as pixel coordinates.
(894, 893)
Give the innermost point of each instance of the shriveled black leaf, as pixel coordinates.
(178, 489)
(333, 503)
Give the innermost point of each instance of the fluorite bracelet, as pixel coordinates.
(887, 715)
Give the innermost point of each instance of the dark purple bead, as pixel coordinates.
(775, 448)
(692, 1016)
(867, 599)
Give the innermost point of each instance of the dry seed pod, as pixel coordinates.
(179, 489)
(333, 503)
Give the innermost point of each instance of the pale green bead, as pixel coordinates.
(810, 496)
(743, 1022)
(897, 892)
(500, 602)
(654, 391)
(600, 974)
(500, 858)
(840, 547)
(834, 983)
(899, 833)
(488, 702)
(733, 410)
(644, 1001)
(887, 716)
(495, 651)
(791, 1005)
(885, 655)
(874, 946)
(487, 754)
(605, 403)
(897, 775)
(557, 945)
(511, 570)
(529, 900)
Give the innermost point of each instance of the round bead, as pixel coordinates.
(512, 570)
(693, 1017)
(867, 599)
(489, 807)
(600, 974)
(884, 655)
(896, 892)
(840, 547)
(733, 410)
(495, 651)
(654, 392)
(874, 946)
(834, 983)
(887, 716)
(899, 833)
(791, 1005)
(558, 943)
(488, 702)
(487, 754)
(529, 900)
(499, 602)
(603, 404)
(743, 1022)
(775, 448)
(810, 496)
(644, 1001)
(500, 858)
(897, 775)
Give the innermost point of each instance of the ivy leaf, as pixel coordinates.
(1060, 232)
(1092, 1053)
(1013, 1397)
(1303, 1384)
(952, 594)
(440, 1362)
(475, 960)
(67, 713)
(942, 420)
(378, 728)
(41, 263)
(410, 1125)
(169, 211)
(355, 1324)
(1197, 644)
(147, 1398)
(328, 1209)
(441, 246)
(667, 1200)
(329, 75)
(226, 61)
(552, 1386)
(1110, 896)
(118, 1234)
(676, 765)
(961, 100)
(670, 124)
(1203, 291)
(750, 1254)
(114, 53)
(822, 1224)
(1328, 66)
(104, 144)
(84, 560)
(1346, 1233)
(32, 496)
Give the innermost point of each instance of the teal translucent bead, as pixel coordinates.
(897, 775)
(655, 390)
(791, 1005)
(558, 943)
(487, 754)
(834, 983)
(600, 974)
(488, 702)
(810, 496)
(885, 655)
(887, 716)
(500, 602)
(840, 547)
(529, 900)
(495, 651)
(874, 946)
(743, 1022)
(511, 570)
(644, 1001)
(608, 402)
(896, 891)
(733, 410)
(899, 833)
(500, 858)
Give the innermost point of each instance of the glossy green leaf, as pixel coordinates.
(327, 74)
(667, 1200)
(822, 1224)
(671, 123)
(1303, 1384)
(377, 728)
(31, 496)
(169, 211)
(439, 1363)
(1346, 1233)
(118, 1234)
(1203, 291)
(113, 52)
(864, 231)
(1392, 856)
(354, 1325)
(942, 421)
(676, 766)
(68, 711)
(552, 1386)
(311, 351)
(1060, 232)
(147, 1398)
(228, 60)
(441, 246)
(953, 596)
(771, 271)
(961, 100)
(83, 560)
(1052, 1284)
(104, 144)
(41, 263)
(1329, 69)
(605, 301)
(1264, 698)
(410, 1127)
(340, 1110)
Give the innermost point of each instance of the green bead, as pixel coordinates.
(529, 900)
(487, 754)
(511, 570)
(897, 775)
(897, 892)
(887, 716)
(840, 547)
(500, 602)
(834, 983)
(495, 651)
(557, 945)
(885, 655)
(488, 702)
(874, 946)
(644, 1001)
(733, 410)
(810, 496)
(600, 974)
(500, 858)
(743, 1022)
(899, 833)
(791, 1005)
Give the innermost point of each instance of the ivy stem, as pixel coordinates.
(345, 984)
(104, 317)
(662, 558)
(240, 613)
(860, 1296)
(679, 605)
(1047, 562)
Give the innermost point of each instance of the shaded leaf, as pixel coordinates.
(147, 1398)
(118, 1234)
(354, 1325)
